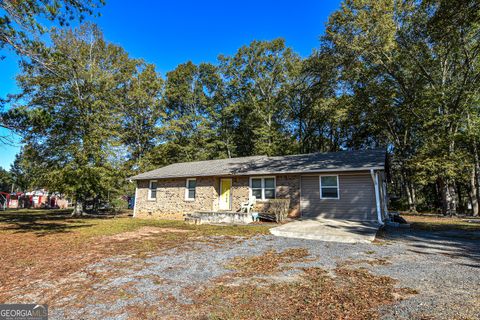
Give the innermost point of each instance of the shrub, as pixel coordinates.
(279, 208)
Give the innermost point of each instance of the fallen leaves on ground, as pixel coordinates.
(267, 263)
(348, 294)
(41, 249)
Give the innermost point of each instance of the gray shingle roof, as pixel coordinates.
(302, 163)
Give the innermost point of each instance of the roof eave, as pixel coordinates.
(137, 178)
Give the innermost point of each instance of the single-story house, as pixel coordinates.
(346, 185)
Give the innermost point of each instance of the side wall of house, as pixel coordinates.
(356, 199)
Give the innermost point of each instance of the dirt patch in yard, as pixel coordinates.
(144, 232)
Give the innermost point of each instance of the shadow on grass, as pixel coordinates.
(42, 222)
(457, 244)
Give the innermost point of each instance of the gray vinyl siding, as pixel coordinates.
(357, 198)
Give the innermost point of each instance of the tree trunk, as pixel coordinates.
(411, 198)
(459, 198)
(78, 209)
(476, 180)
(474, 193)
(413, 195)
(449, 203)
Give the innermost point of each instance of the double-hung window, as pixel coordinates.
(329, 187)
(152, 190)
(190, 189)
(263, 188)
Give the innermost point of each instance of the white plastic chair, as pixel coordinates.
(247, 206)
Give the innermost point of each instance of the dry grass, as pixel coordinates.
(344, 293)
(441, 223)
(372, 262)
(267, 263)
(349, 294)
(39, 245)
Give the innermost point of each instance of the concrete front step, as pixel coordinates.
(218, 217)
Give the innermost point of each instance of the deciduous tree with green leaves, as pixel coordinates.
(191, 98)
(257, 78)
(411, 71)
(22, 25)
(21, 21)
(70, 113)
(141, 113)
(5, 180)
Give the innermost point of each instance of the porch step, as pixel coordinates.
(218, 217)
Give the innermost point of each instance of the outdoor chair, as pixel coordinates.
(247, 206)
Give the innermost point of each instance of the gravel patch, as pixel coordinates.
(443, 268)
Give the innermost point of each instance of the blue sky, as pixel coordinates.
(168, 33)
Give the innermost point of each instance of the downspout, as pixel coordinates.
(135, 201)
(377, 196)
(385, 199)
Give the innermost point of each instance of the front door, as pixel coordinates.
(225, 187)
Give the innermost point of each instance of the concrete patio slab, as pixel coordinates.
(329, 230)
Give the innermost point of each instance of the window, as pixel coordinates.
(263, 188)
(190, 189)
(329, 187)
(152, 190)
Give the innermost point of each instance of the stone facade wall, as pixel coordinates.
(240, 191)
(288, 187)
(171, 203)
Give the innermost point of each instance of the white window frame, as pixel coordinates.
(338, 186)
(263, 187)
(186, 189)
(150, 190)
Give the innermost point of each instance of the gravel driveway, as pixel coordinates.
(443, 267)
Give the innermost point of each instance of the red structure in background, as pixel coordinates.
(10, 200)
(33, 199)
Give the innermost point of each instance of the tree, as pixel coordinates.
(141, 113)
(21, 28)
(71, 113)
(257, 78)
(449, 61)
(412, 76)
(5, 180)
(319, 117)
(191, 95)
(23, 171)
(21, 23)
